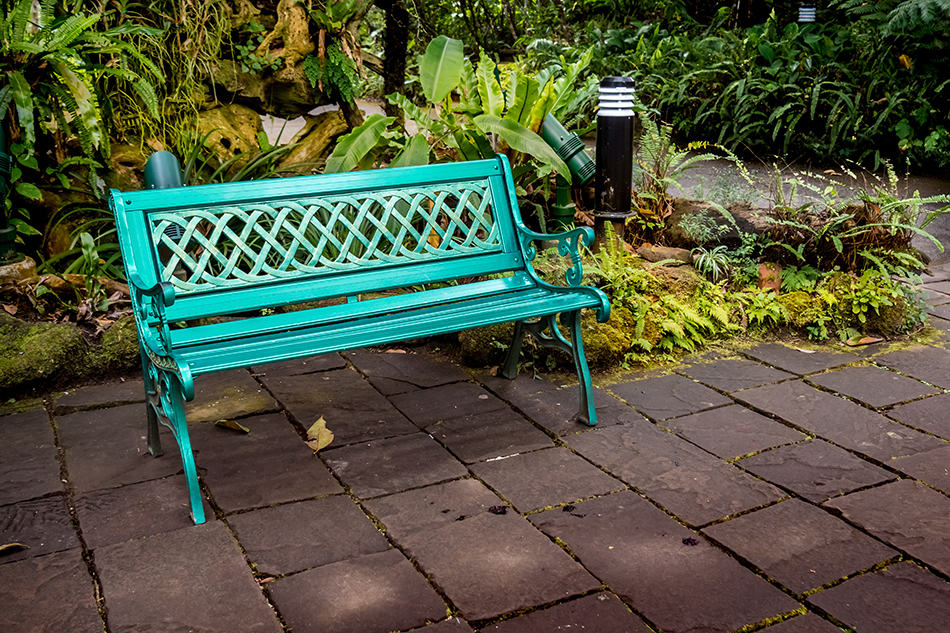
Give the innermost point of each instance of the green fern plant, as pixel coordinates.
(54, 65)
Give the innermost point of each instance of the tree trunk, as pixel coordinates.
(394, 55)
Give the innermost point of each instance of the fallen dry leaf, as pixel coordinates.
(10, 309)
(12, 548)
(318, 435)
(858, 341)
(231, 424)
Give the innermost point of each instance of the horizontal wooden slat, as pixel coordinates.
(302, 319)
(382, 329)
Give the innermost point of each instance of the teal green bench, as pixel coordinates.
(386, 254)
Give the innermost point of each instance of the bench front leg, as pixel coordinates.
(172, 399)
(587, 413)
(510, 368)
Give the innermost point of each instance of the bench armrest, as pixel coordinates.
(161, 289)
(567, 245)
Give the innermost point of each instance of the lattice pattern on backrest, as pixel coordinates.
(203, 248)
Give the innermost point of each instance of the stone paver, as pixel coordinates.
(553, 408)
(873, 386)
(399, 371)
(733, 431)
(427, 406)
(600, 612)
(941, 310)
(941, 287)
(929, 414)
(931, 467)
(49, 594)
(733, 374)
(428, 521)
(149, 507)
(226, 395)
(807, 623)
(29, 466)
(376, 593)
(931, 364)
(104, 395)
(106, 448)
(452, 625)
(815, 469)
(663, 570)
(432, 507)
(352, 409)
(799, 545)
(798, 361)
(490, 564)
(194, 579)
(687, 481)
(297, 536)
(668, 396)
(499, 433)
(269, 465)
(545, 478)
(385, 466)
(838, 420)
(300, 366)
(905, 514)
(43, 525)
(902, 598)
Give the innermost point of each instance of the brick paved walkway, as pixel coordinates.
(775, 490)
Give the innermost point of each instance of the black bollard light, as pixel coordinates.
(614, 183)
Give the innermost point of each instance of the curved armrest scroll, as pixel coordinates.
(567, 244)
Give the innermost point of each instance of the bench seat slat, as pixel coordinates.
(258, 326)
(377, 330)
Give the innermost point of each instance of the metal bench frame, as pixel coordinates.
(412, 252)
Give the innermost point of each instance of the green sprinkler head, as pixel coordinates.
(570, 148)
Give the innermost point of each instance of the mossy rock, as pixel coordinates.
(119, 347)
(486, 345)
(39, 354)
(800, 306)
(607, 343)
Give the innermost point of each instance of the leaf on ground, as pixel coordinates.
(395, 351)
(9, 308)
(12, 548)
(858, 341)
(318, 435)
(231, 424)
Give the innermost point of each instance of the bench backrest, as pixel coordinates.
(242, 246)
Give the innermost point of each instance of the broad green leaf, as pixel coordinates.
(416, 152)
(440, 67)
(23, 100)
(524, 140)
(434, 127)
(29, 190)
(522, 94)
(469, 102)
(354, 147)
(489, 90)
(541, 107)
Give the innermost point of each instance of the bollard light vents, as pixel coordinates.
(806, 13)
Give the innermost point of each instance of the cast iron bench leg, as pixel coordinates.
(175, 410)
(586, 414)
(510, 368)
(151, 417)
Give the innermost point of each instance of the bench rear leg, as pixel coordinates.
(587, 413)
(151, 417)
(510, 368)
